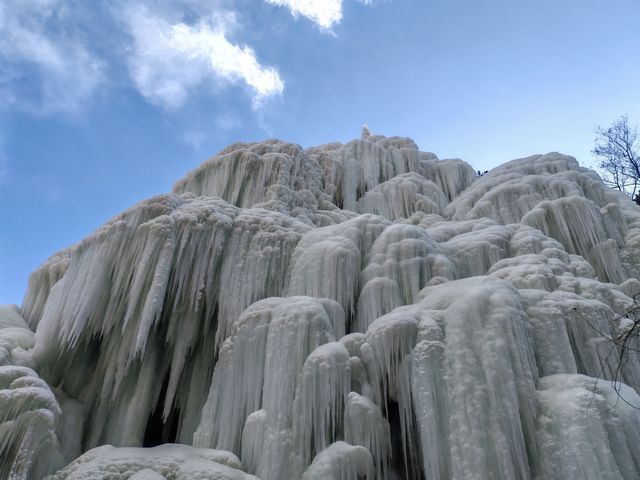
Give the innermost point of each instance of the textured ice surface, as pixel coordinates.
(16, 339)
(29, 412)
(340, 461)
(358, 310)
(169, 461)
(578, 413)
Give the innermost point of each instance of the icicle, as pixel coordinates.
(407, 256)
(253, 439)
(41, 282)
(155, 264)
(478, 250)
(364, 425)
(402, 196)
(389, 340)
(387, 355)
(490, 372)
(552, 193)
(577, 224)
(255, 262)
(453, 176)
(430, 398)
(327, 261)
(242, 174)
(320, 398)
(299, 327)
(378, 297)
(261, 366)
(341, 461)
(236, 387)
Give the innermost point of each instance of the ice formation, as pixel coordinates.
(179, 462)
(360, 310)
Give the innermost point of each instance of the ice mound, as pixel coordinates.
(358, 310)
(169, 461)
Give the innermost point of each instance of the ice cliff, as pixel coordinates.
(360, 310)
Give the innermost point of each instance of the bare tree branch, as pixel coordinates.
(618, 151)
(623, 340)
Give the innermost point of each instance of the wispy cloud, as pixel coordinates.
(229, 61)
(169, 59)
(46, 67)
(52, 60)
(194, 138)
(325, 13)
(227, 121)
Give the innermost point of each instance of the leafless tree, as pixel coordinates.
(618, 152)
(622, 341)
(626, 339)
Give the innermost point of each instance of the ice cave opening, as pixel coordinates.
(159, 429)
(404, 462)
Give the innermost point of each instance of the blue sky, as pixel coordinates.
(105, 103)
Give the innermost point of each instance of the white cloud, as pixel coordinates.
(169, 59)
(227, 60)
(325, 13)
(48, 64)
(51, 63)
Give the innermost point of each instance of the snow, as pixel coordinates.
(358, 310)
(340, 461)
(169, 461)
(365, 425)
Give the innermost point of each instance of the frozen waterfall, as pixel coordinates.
(348, 311)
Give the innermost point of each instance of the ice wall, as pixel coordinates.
(358, 310)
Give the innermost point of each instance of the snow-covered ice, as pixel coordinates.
(164, 462)
(359, 310)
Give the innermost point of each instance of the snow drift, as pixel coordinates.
(359, 310)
